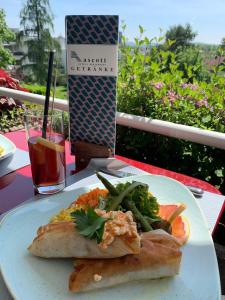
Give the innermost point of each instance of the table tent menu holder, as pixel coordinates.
(92, 58)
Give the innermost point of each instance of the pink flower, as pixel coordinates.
(158, 85)
(193, 86)
(171, 96)
(184, 85)
(201, 103)
(189, 85)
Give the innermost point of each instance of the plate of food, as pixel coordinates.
(142, 237)
(7, 147)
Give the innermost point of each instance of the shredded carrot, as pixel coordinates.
(91, 198)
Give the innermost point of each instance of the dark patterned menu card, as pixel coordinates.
(92, 47)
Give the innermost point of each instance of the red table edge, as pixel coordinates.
(18, 138)
(185, 179)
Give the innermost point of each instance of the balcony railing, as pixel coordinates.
(179, 131)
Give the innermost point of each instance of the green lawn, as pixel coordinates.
(61, 91)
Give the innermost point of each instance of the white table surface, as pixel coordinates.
(211, 204)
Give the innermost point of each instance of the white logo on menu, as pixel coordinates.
(92, 60)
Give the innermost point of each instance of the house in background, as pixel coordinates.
(19, 50)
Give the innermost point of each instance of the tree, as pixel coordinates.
(36, 17)
(6, 36)
(37, 22)
(181, 35)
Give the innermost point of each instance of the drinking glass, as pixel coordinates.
(47, 152)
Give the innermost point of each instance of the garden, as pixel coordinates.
(174, 86)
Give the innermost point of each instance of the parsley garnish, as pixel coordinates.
(89, 224)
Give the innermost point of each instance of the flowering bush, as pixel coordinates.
(11, 110)
(11, 83)
(151, 84)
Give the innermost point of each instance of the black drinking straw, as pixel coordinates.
(47, 94)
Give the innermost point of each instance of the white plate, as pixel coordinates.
(8, 146)
(29, 277)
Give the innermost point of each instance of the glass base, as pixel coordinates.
(49, 189)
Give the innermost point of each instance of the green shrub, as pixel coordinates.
(191, 58)
(195, 160)
(61, 91)
(35, 88)
(39, 110)
(151, 83)
(58, 117)
(11, 119)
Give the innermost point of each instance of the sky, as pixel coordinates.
(207, 17)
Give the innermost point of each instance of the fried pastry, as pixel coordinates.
(62, 239)
(159, 257)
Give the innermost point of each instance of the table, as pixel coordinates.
(19, 183)
(16, 187)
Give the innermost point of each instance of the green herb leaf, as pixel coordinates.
(89, 224)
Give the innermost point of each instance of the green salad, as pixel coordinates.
(134, 196)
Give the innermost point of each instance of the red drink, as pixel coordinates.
(47, 161)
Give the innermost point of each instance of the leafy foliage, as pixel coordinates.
(153, 84)
(191, 63)
(11, 110)
(12, 119)
(6, 36)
